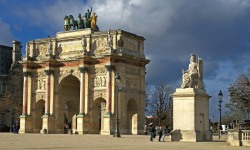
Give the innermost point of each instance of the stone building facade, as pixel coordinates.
(10, 69)
(70, 80)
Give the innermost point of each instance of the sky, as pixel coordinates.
(218, 31)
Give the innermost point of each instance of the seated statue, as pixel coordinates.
(193, 77)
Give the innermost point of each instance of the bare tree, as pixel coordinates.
(240, 95)
(161, 103)
(146, 98)
(12, 100)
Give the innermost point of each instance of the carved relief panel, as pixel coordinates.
(70, 46)
(130, 44)
(41, 80)
(99, 77)
(99, 43)
(132, 77)
(132, 82)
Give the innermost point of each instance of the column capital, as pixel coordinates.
(83, 69)
(26, 74)
(109, 67)
(48, 72)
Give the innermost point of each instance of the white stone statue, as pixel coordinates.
(27, 49)
(109, 40)
(193, 77)
(83, 43)
(49, 50)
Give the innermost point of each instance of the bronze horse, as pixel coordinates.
(70, 22)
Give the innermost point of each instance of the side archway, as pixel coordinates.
(132, 117)
(38, 113)
(98, 111)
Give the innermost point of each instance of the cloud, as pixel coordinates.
(6, 37)
(215, 30)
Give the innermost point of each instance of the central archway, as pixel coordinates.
(132, 117)
(68, 103)
(98, 110)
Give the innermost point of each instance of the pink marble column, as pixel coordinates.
(109, 77)
(82, 89)
(47, 99)
(25, 92)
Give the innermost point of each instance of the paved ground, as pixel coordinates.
(102, 142)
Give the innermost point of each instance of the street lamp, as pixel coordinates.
(220, 96)
(118, 87)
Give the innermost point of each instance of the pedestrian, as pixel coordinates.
(151, 131)
(17, 127)
(164, 132)
(159, 132)
(145, 129)
(14, 128)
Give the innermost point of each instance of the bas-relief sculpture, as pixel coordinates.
(193, 77)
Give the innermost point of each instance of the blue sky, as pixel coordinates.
(218, 31)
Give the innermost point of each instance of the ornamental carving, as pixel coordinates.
(130, 44)
(64, 73)
(41, 84)
(100, 70)
(100, 81)
(42, 48)
(132, 82)
(71, 46)
(39, 97)
(101, 94)
(41, 74)
(99, 43)
(131, 70)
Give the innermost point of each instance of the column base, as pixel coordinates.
(25, 124)
(48, 124)
(106, 125)
(82, 124)
(190, 135)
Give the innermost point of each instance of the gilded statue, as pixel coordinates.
(193, 77)
(93, 20)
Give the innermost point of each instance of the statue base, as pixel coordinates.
(191, 115)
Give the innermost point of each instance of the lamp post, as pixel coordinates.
(118, 87)
(220, 96)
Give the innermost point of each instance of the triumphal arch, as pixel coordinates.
(69, 79)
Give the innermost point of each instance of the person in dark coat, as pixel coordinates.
(151, 131)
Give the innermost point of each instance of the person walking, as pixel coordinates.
(14, 128)
(145, 129)
(164, 132)
(159, 132)
(151, 131)
(17, 127)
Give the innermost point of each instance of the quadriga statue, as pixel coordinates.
(193, 77)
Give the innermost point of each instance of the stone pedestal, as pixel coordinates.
(25, 124)
(82, 124)
(48, 124)
(191, 115)
(106, 125)
(233, 137)
(80, 121)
